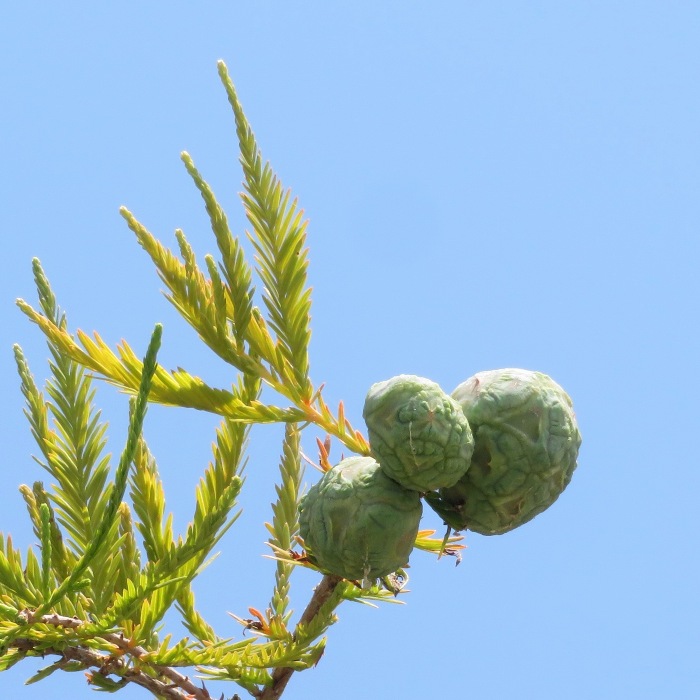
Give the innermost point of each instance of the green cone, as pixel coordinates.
(526, 445)
(418, 433)
(358, 523)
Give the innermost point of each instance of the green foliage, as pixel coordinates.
(109, 565)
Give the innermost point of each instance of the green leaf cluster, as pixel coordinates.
(109, 565)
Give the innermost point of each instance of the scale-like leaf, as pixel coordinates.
(285, 524)
(176, 388)
(148, 497)
(99, 544)
(12, 576)
(237, 274)
(279, 237)
(127, 560)
(192, 293)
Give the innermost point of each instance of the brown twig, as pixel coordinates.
(177, 686)
(322, 593)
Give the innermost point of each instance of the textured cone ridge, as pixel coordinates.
(418, 433)
(526, 445)
(358, 523)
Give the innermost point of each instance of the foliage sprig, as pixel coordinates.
(110, 566)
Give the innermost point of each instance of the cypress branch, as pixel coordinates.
(285, 521)
(278, 235)
(237, 273)
(120, 482)
(88, 598)
(46, 555)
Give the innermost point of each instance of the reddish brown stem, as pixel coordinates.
(322, 593)
(169, 684)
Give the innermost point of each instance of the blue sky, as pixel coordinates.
(489, 185)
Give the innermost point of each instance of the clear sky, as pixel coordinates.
(489, 184)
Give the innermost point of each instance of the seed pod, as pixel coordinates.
(358, 523)
(418, 433)
(526, 443)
